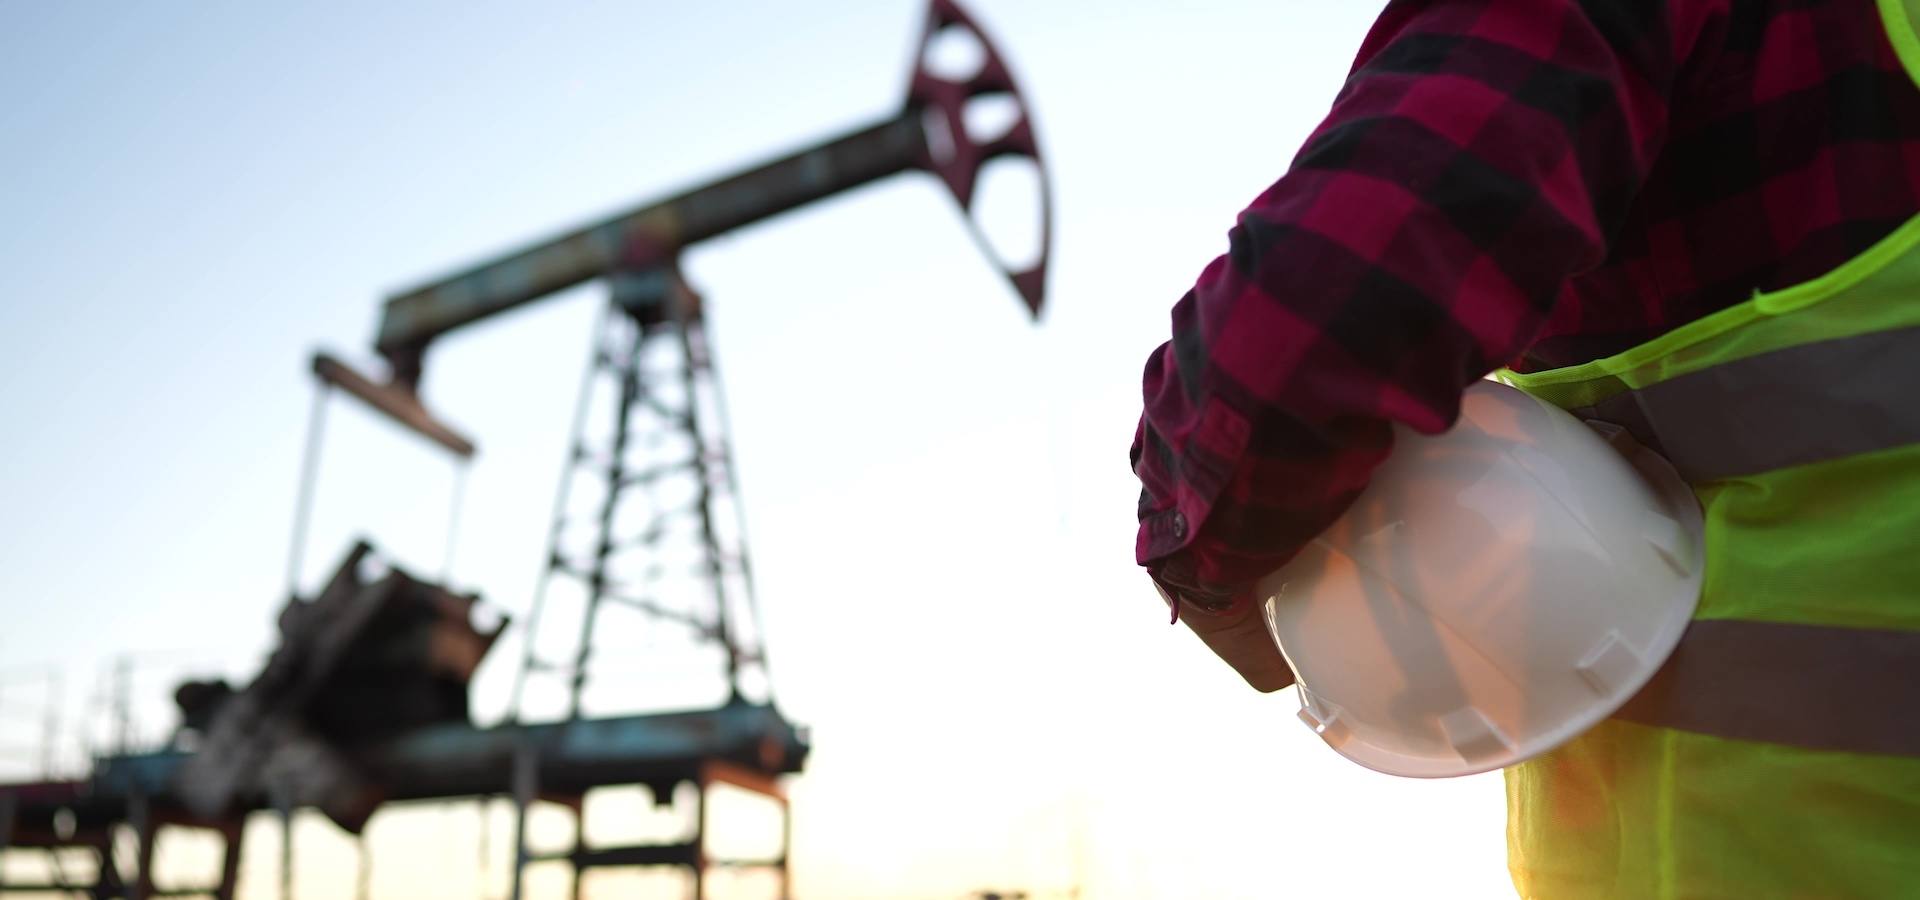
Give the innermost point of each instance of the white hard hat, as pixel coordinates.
(1494, 592)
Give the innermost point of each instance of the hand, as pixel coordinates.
(1240, 638)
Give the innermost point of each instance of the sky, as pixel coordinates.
(198, 197)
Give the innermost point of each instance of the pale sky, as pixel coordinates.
(936, 489)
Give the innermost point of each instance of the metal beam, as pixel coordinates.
(460, 760)
(395, 400)
(647, 236)
(682, 854)
(9, 801)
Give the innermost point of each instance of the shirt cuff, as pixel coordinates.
(1199, 601)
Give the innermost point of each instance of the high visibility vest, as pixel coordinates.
(1777, 753)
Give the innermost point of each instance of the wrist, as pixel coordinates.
(1203, 602)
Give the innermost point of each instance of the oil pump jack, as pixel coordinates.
(653, 352)
(681, 561)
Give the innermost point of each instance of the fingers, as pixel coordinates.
(1241, 640)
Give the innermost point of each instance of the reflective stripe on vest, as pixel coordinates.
(1806, 404)
(1812, 686)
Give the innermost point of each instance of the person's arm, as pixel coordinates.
(1480, 153)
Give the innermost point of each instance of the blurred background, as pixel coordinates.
(197, 197)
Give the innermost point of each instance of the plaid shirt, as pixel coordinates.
(1557, 180)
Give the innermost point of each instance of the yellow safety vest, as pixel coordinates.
(1777, 753)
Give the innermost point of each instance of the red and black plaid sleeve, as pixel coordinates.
(1559, 178)
(1479, 154)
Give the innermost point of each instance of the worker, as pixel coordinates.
(1696, 219)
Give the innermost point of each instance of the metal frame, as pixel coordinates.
(668, 456)
(30, 818)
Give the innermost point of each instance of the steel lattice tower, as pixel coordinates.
(648, 517)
